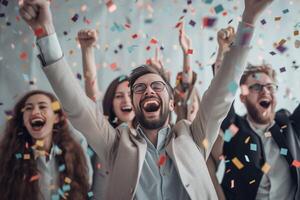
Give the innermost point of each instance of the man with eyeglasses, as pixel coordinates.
(261, 149)
(151, 161)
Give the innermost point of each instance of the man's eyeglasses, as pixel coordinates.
(140, 88)
(271, 87)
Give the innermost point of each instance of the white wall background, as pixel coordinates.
(149, 19)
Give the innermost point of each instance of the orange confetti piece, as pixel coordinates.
(39, 32)
(153, 41)
(34, 178)
(237, 163)
(39, 143)
(296, 163)
(266, 168)
(205, 143)
(67, 180)
(23, 56)
(162, 160)
(55, 106)
(113, 66)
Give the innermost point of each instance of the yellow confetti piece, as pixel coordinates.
(237, 163)
(251, 182)
(266, 168)
(26, 156)
(247, 140)
(55, 105)
(296, 33)
(282, 41)
(39, 143)
(205, 143)
(68, 180)
(8, 117)
(277, 18)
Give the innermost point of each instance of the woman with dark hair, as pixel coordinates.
(39, 158)
(116, 101)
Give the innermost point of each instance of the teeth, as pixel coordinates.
(126, 107)
(150, 102)
(36, 120)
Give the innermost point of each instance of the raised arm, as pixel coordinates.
(225, 39)
(185, 44)
(87, 40)
(218, 98)
(81, 111)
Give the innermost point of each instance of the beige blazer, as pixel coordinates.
(124, 151)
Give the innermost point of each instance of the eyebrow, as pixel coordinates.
(39, 103)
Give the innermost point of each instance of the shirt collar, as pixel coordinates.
(162, 136)
(259, 128)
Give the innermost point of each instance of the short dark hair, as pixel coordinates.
(149, 69)
(254, 69)
(107, 102)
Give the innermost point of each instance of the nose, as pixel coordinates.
(36, 110)
(149, 91)
(127, 98)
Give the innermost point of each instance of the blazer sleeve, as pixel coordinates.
(83, 113)
(219, 96)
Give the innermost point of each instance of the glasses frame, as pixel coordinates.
(261, 87)
(145, 87)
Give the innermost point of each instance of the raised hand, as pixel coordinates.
(225, 38)
(156, 61)
(37, 14)
(253, 8)
(87, 38)
(184, 40)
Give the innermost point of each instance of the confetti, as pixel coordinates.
(90, 152)
(277, 18)
(237, 163)
(18, 155)
(153, 41)
(39, 143)
(26, 156)
(55, 197)
(162, 160)
(75, 18)
(263, 21)
(232, 184)
(282, 69)
(90, 194)
(296, 33)
(296, 163)
(247, 158)
(55, 106)
(209, 22)
(34, 178)
(38, 32)
(111, 6)
(266, 168)
(66, 187)
(189, 51)
(227, 135)
(219, 8)
(205, 143)
(283, 151)
(192, 23)
(67, 180)
(23, 56)
(62, 168)
(134, 36)
(251, 182)
(253, 147)
(113, 66)
(285, 11)
(268, 134)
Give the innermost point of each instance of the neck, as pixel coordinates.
(256, 124)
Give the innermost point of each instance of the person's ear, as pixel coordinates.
(243, 98)
(171, 104)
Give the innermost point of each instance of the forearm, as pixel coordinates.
(90, 73)
(187, 70)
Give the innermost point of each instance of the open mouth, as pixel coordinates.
(265, 103)
(126, 108)
(37, 123)
(151, 106)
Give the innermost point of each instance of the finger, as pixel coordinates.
(156, 54)
(25, 15)
(30, 10)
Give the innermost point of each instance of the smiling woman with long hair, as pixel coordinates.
(39, 158)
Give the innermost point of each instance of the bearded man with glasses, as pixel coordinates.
(262, 148)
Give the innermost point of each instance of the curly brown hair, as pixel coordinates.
(15, 174)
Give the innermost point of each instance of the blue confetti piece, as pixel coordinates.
(227, 135)
(233, 86)
(90, 194)
(55, 197)
(90, 152)
(253, 147)
(283, 151)
(207, 1)
(219, 8)
(66, 187)
(285, 11)
(18, 155)
(62, 168)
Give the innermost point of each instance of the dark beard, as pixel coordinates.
(256, 116)
(155, 124)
